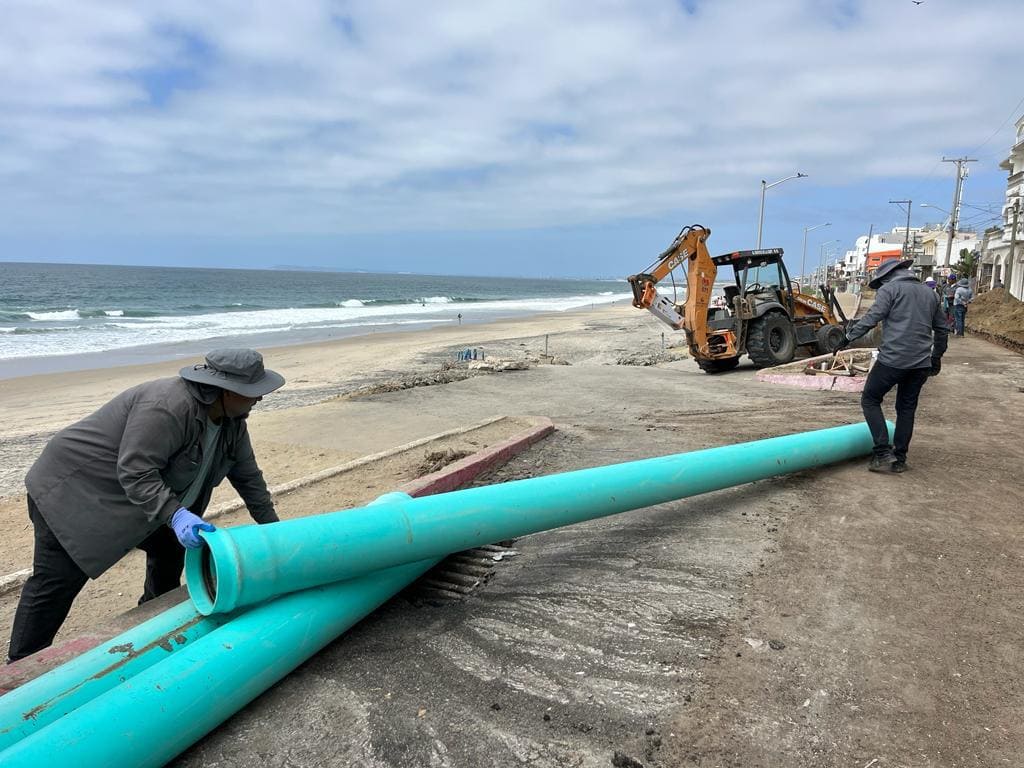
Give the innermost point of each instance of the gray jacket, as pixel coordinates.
(913, 326)
(963, 295)
(105, 483)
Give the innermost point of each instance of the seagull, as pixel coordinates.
(917, 2)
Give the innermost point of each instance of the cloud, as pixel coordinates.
(343, 117)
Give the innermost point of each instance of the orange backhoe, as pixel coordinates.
(763, 316)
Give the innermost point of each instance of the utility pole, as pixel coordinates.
(906, 238)
(1013, 243)
(954, 212)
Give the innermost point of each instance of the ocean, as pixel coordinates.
(68, 316)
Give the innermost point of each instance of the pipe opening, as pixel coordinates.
(208, 571)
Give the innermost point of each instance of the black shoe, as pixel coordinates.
(899, 466)
(882, 463)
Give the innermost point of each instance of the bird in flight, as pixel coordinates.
(917, 2)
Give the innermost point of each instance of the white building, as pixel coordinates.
(865, 256)
(996, 261)
(932, 258)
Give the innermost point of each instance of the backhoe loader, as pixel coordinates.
(764, 317)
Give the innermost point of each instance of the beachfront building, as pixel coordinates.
(868, 253)
(934, 241)
(995, 255)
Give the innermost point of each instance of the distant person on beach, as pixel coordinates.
(962, 296)
(139, 472)
(914, 338)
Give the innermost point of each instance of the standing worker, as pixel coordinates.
(948, 296)
(961, 298)
(139, 472)
(914, 338)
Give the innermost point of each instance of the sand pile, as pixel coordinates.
(998, 315)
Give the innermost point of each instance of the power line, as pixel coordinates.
(1001, 126)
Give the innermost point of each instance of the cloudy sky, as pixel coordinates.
(516, 138)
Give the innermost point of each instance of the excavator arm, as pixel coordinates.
(687, 249)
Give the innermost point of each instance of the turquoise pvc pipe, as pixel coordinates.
(63, 689)
(149, 719)
(246, 565)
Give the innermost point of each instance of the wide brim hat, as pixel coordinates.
(237, 370)
(890, 266)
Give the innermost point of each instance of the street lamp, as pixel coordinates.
(765, 186)
(803, 257)
(937, 208)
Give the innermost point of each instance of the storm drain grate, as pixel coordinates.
(460, 574)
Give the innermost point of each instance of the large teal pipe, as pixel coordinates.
(49, 697)
(39, 702)
(249, 564)
(149, 719)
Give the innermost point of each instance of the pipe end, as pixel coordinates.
(212, 573)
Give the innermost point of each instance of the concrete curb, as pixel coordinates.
(458, 473)
(13, 581)
(324, 474)
(449, 478)
(792, 374)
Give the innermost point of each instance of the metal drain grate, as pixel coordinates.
(460, 574)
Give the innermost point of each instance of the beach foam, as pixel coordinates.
(73, 332)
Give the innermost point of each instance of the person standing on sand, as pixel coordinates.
(139, 472)
(914, 338)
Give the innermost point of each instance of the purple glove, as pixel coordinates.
(185, 524)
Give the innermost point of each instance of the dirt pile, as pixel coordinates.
(999, 316)
(434, 461)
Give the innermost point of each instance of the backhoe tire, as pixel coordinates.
(718, 366)
(829, 337)
(771, 340)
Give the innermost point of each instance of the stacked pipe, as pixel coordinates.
(312, 578)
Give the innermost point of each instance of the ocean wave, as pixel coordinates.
(351, 303)
(130, 329)
(22, 330)
(62, 314)
(435, 300)
(91, 313)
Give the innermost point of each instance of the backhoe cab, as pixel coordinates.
(763, 316)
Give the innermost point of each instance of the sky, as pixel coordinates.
(490, 138)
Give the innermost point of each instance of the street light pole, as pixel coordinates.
(803, 257)
(765, 186)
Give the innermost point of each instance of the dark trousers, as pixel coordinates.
(908, 383)
(56, 581)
